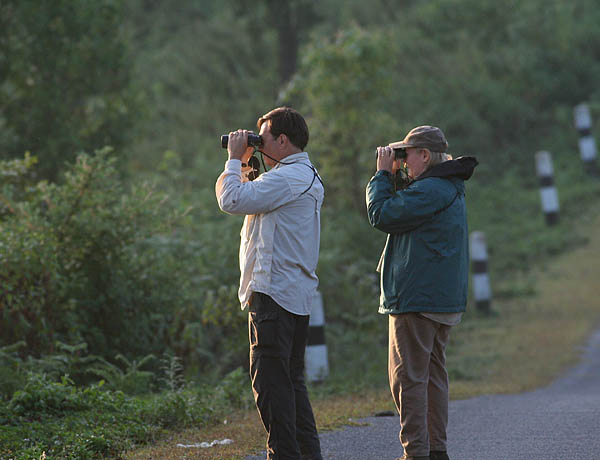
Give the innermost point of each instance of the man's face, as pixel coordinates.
(270, 145)
(416, 160)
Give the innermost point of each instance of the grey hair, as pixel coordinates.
(436, 158)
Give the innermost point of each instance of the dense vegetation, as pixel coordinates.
(116, 261)
(66, 85)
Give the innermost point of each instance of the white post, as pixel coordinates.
(317, 367)
(587, 144)
(481, 280)
(548, 193)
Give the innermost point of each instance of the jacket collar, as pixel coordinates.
(460, 168)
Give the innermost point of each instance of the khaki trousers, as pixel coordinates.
(419, 381)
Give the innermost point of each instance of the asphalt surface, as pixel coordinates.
(561, 421)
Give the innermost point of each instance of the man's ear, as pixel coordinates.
(427, 155)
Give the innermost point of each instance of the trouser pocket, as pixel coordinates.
(263, 325)
(263, 329)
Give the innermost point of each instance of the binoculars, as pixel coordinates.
(253, 139)
(399, 154)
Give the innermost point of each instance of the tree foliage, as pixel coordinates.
(477, 69)
(64, 80)
(342, 88)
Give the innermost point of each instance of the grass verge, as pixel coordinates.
(526, 343)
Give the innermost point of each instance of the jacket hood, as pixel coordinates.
(461, 168)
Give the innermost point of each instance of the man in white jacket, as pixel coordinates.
(279, 251)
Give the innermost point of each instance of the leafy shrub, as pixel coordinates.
(133, 380)
(235, 388)
(61, 421)
(202, 404)
(173, 373)
(68, 422)
(41, 396)
(177, 409)
(81, 263)
(115, 271)
(11, 373)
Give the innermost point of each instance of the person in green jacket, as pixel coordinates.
(424, 272)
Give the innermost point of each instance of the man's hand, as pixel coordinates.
(237, 146)
(385, 159)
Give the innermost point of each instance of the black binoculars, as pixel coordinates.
(399, 154)
(253, 139)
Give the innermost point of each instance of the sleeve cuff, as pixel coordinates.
(384, 173)
(234, 166)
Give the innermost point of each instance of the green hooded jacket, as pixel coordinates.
(425, 263)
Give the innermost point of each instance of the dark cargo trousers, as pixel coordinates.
(277, 343)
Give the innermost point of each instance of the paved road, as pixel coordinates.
(561, 421)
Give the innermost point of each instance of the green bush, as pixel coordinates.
(201, 404)
(132, 380)
(61, 421)
(69, 422)
(40, 397)
(87, 261)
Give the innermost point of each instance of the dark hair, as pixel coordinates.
(285, 120)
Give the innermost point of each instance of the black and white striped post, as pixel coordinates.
(587, 144)
(548, 193)
(316, 363)
(482, 291)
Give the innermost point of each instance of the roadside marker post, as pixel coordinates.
(548, 193)
(587, 144)
(480, 279)
(316, 363)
